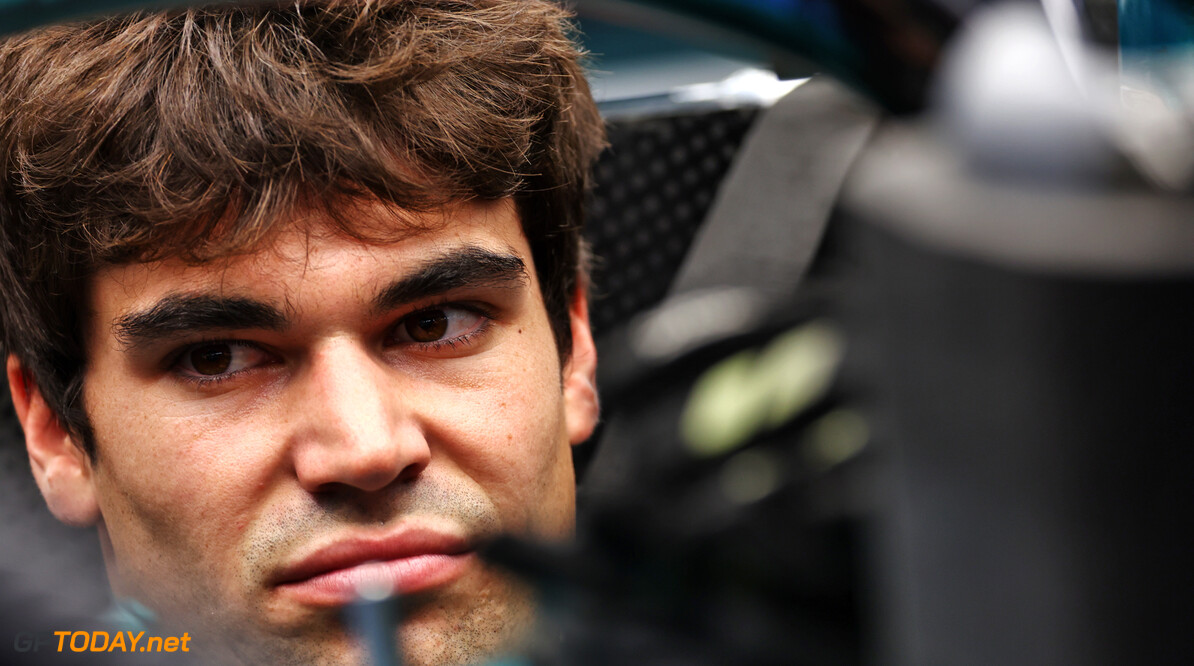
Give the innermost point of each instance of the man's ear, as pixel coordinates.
(581, 405)
(60, 467)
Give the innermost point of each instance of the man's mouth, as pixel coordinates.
(405, 562)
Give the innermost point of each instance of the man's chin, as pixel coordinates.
(497, 624)
(457, 625)
(336, 646)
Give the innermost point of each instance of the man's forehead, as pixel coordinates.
(309, 246)
(471, 245)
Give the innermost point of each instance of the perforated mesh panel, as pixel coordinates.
(654, 186)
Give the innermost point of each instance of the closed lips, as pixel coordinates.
(410, 561)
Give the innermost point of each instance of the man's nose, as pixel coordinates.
(352, 426)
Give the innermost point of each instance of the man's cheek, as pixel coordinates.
(199, 466)
(156, 502)
(141, 520)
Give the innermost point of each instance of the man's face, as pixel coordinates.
(275, 429)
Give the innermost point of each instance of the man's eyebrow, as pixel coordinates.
(466, 266)
(186, 313)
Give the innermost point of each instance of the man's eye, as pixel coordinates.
(211, 360)
(438, 324)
